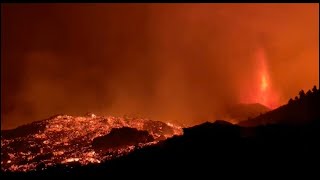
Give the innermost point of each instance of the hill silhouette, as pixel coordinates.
(288, 144)
(121, 137)
(242, 112)
(298, 111)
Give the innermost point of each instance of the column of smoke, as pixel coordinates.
(177, 63)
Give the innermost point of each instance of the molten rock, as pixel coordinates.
(67, 140)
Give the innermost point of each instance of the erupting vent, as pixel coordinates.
(260, 89)
(66, 139)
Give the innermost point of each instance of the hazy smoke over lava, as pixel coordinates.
(180, 63)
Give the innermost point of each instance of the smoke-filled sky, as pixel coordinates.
(182, 63)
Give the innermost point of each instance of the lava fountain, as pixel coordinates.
(261, 90)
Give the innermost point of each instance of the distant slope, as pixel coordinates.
(299, 111)
(241, 112)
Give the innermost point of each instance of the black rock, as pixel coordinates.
(121, 137)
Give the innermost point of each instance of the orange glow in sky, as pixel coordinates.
(178, 63)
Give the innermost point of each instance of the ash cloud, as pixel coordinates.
(178, 63)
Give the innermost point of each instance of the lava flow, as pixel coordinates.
(261, 90)
(66, 139)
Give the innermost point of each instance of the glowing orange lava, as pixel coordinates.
(67, 139)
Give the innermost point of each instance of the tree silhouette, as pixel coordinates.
(302, 94)
(296, 98)
(314, 89)
(309, 93)
(290, 101)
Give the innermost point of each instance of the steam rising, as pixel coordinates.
(176, 63)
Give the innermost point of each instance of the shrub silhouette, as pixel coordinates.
(302, 94)
(309, 93)
(290, 101)
(314, 89)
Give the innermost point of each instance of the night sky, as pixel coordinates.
(181, 63)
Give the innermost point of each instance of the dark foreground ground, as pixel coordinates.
(221, 149)
(214, 148)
